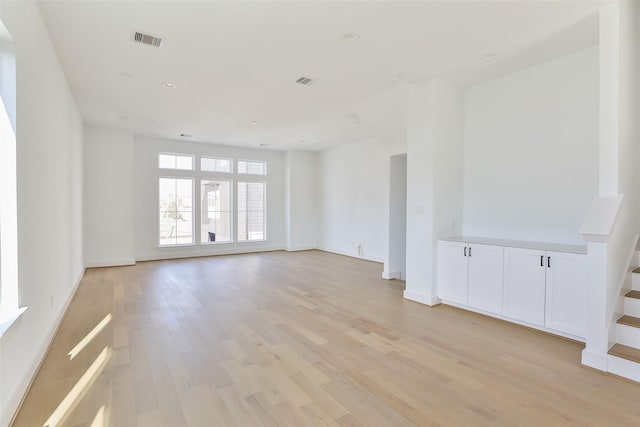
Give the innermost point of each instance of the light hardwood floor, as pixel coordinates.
(302, 339)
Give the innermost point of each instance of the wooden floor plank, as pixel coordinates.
(305, 339)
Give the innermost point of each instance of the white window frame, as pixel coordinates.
(193, 208)
(264, 211)
(264, 162)
(165, 153)
(231, 209)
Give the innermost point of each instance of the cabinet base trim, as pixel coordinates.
(517, 322)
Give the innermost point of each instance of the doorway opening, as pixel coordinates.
(397, 265)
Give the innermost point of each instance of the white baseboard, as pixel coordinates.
(514, 321)
(352, 255)
(422, 298)
(110, 263)
(594, 360)
(390, 275)
(300, 248)
(179, 255)
(15, 401)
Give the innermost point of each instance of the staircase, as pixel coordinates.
(624, 356)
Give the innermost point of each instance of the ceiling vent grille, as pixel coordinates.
(304, 81)
(147, 39)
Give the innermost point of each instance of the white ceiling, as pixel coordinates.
(236, 62)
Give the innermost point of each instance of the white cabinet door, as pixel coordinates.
(524, 285)
(485, 277)
(452, 271)
(566, 309)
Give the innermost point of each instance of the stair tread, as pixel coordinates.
(625, 352)
(629, 321)
(633, 294)
(636, 270)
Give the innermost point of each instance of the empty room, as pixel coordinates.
(319, 213)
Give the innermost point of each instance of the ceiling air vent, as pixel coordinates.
(304, 81)
(147, 39)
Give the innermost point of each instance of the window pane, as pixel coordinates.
(223, 165)
(184, 228)
(184, 187)
(253, 167)
(184, 162)
(216, 211)
(176, 212)
(251, 221)
(210, 164)
(175, 161)
(167, 161)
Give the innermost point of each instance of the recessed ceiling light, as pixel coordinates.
(490, 57)
(254, 122)
(169, 85)
(351, 37)
(393, 78)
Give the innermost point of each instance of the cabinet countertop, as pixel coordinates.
(543, 246)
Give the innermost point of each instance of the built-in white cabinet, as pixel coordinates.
(518, 282)
(524, 285)
(566, 296)
(471, 274)
(485, 277)
(453, 271)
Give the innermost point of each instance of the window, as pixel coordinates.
(176, 211)
(251, 202)
(211, 164)
(252, 167)
(216, 211)
(9, 307)
(175, 161)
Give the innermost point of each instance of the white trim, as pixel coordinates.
(14, 402)
(300, 248)
(594, 360)
(182, 255)
(422, 298)
(390, 275)
(110, 263)
(623, 367)
(352, 255)
(516, 321)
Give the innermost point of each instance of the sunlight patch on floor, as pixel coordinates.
(90, 336)
(78, 391)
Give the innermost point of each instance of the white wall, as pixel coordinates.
(49, 167)
(146, 174)
(108, 197)
(302, 218)
(434, 181)
(354, 199)
(531, 151)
